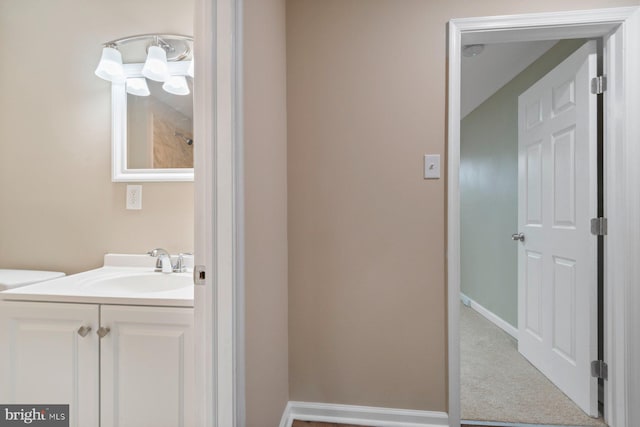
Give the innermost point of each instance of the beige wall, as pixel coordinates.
(265, 139)
(366, 238)
(58, 207)
(366, 100)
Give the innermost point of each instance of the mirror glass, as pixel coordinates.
(152, 135)
(160, 129)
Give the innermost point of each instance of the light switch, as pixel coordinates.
(432, 166)
(134, 197)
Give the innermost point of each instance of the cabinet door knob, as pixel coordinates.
(84, 330)
(102, 331)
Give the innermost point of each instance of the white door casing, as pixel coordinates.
(66, 373)
(218, 302)
(620, 30)
(557, 197)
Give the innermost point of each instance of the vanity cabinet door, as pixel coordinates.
(147, 374)
(45, 359)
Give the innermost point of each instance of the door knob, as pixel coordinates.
(84, 330)
(518, 236)
(102, 331)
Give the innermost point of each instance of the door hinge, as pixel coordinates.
(599, 226)
(599, 369)
(598, 85)
(199, 274)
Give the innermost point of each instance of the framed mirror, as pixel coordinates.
(152, 135)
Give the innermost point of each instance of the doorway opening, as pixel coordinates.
(617, 29)
(528, 189)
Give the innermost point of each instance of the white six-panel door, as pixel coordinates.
(557, 197)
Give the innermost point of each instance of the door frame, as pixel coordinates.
(620, 30)
(219, 217)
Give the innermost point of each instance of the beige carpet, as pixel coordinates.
(498, 384)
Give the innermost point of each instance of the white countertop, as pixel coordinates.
(13, 278)
(83, 288)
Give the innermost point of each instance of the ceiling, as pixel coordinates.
(484, 74)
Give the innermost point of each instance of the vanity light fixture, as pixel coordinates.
(155, 67)
(176, 85)
(137, 86)
(158, 51)
(110, 65)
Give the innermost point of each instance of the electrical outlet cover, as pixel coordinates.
(134, 197)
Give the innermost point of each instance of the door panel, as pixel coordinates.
(563, 97)
(557, 197)
(534, 183)
(564, 324)
(533, 290)
(564, 182)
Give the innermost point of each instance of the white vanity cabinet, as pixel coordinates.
(140, 373)
(146, 367)
(44, 360)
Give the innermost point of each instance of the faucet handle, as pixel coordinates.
(180, 267)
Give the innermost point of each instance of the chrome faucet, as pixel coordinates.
(163, 263)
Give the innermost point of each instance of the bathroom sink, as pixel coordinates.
(124, 280)
(141, 283)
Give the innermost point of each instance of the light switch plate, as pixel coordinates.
(432, 166)
(134, 197)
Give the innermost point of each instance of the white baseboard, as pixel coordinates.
(490, 316)
(361, 415)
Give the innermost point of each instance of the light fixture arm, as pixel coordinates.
(137, 37)
(163, 44)
(168, 42)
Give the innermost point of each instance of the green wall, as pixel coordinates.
(489, 190)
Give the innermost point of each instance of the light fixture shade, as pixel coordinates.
(155, 67)
(190, 69)
(110, 66)
(176, 85)
(138, 86)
